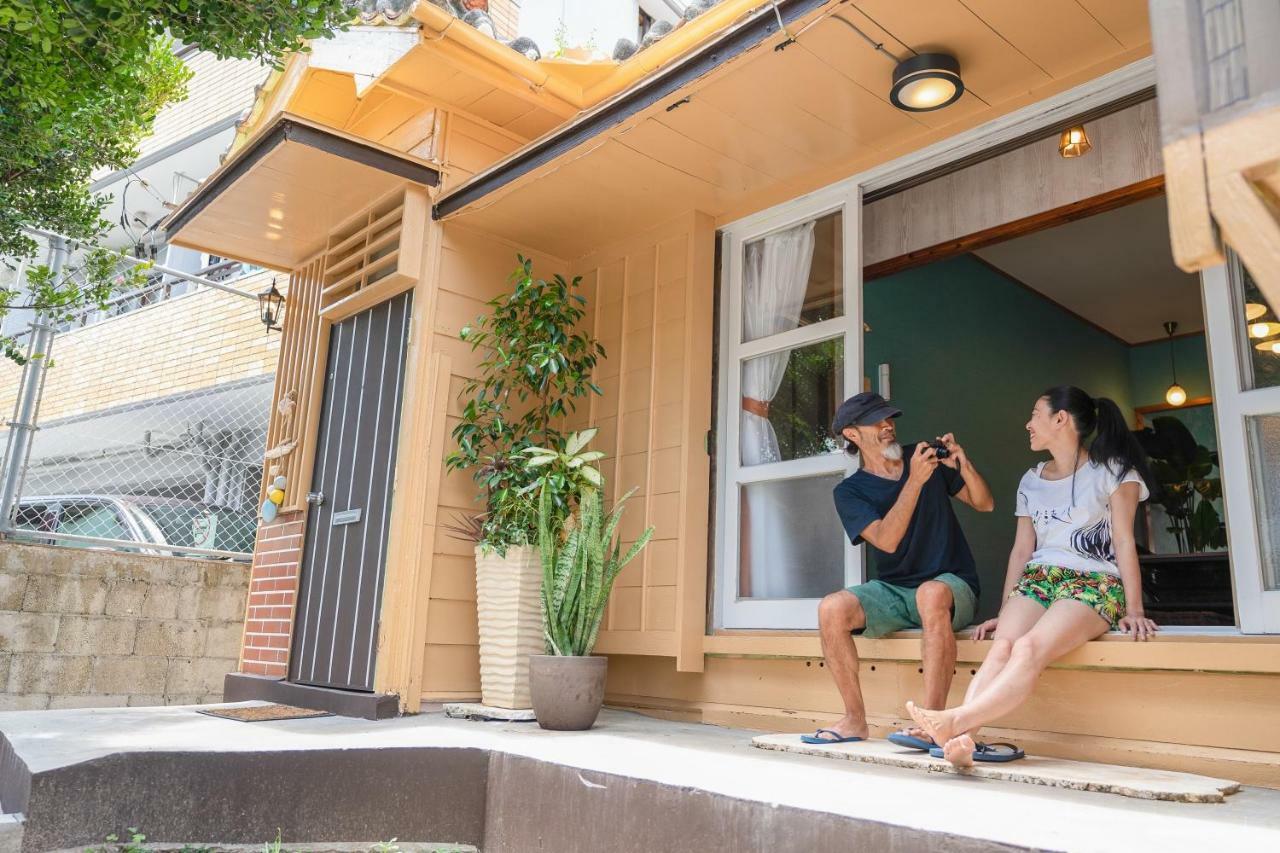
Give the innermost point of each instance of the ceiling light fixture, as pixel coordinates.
(1263, 330)
(1254, 310)
(1272, 347)
(1075, 142)
(929, 81)
(1175, 395)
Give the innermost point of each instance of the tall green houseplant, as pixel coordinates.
(537, 367)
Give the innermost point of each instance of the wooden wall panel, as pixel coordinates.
(1015, 185)
(653, 316)
(291, 430)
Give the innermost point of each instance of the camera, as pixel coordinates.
(940, 449)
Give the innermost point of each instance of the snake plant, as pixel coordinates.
(579, 565)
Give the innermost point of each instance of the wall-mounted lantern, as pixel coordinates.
(271, 307)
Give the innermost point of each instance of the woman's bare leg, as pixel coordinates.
(1065, 626)
(1018, 616)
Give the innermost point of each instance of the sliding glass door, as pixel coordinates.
(790, 353)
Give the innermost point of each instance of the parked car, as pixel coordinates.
(150, 521)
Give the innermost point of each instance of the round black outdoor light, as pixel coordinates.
(929, 81)
(271, 307)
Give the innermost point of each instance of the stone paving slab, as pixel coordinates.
(476, 711)
(1138, 782)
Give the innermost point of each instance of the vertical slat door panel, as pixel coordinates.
(347, 532)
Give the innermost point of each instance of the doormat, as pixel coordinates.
(262, 713)
(1138, 782)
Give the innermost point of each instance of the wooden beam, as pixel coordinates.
(1101, 203)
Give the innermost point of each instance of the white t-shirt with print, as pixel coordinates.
(1074, 532)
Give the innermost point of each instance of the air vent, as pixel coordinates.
(375, 255)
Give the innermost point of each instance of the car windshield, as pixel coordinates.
(188, 525)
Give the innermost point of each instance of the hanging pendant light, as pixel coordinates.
(1074, 142)
(1175, 394)
(926, 82)
(1272, 347)
(1254, 310)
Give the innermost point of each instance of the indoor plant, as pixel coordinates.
(536, 367)
(581, 558)
(1182, 468)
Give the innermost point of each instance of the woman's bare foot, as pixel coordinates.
(939, 724)
(959, 751)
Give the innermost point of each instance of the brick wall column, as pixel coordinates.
(273, 589)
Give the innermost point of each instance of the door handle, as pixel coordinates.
(315, 498)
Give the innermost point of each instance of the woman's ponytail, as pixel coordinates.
(1114, 446)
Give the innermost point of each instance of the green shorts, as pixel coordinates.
(1099, 590)
(890, 608)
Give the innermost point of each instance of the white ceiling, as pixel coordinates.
(1114, 269)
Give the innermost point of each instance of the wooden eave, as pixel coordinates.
(275, 201)
(758, 115)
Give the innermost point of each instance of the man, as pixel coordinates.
(899, 503)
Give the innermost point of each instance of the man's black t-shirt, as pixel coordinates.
(934, 543)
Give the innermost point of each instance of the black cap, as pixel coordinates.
(862, 409)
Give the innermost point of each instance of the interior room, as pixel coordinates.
(966, 344)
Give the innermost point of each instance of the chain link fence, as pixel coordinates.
(152, 422)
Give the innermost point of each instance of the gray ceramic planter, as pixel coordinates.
(567, 691)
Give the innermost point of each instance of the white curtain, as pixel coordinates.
(775, 277)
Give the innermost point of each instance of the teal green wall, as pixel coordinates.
(1150, 375)
(970, 352)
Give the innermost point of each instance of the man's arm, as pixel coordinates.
(886, 533)
(975, 492)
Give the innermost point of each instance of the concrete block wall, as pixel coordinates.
(273, 590)
(85, 628)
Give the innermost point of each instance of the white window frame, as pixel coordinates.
(791, 613)
(1257, 608)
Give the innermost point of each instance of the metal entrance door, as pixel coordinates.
(340, 590)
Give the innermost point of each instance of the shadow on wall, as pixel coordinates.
(970, 351)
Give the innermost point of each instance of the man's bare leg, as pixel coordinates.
(938, 653)
(839, 614)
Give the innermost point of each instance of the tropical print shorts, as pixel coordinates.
(1047, 584)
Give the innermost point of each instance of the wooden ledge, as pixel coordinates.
(1226, 653)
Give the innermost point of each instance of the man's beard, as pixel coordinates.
(892, 452)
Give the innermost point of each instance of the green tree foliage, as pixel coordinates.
(81, 82)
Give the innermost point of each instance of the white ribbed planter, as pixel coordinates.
(509, 614)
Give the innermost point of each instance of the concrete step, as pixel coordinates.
(319, 847)
(631, 785)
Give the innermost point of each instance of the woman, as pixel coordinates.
(1073, 571)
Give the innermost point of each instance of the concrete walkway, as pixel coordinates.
(686, 757)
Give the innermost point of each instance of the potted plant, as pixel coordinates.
(581, 558)
(536, 367)
(1183, 470)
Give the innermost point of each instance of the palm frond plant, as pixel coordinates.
(581, 558)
